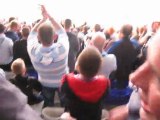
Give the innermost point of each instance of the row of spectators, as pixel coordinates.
(89, 68)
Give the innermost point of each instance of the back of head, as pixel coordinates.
(98, 40)
(89, 62)
(155, 26)
(11, 18)
(45, 34)
(18, 67)
(109, 31)
(67, 23)
(85, 29)
(126, 30)
(2, 28)
(14, 24)
(97, 28)
(25, 31)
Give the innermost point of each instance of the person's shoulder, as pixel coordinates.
(108, 56)
(116, 43)
(8, 32)
(102, 79)
(17, 42)
(71, 35)
(7, 39)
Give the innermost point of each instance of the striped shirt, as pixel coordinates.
(51, 62)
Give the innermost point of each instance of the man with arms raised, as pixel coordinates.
(48, 58)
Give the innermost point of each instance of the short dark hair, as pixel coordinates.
(25, 31)
(2, 28)
(97, 27)
(89, 62)
(67, 23)
(126, 30)
(11, 18)
(45, 32)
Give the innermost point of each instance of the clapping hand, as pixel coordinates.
(44, 12)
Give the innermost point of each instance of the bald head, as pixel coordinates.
(98, 40)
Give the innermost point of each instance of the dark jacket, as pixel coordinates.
(12, 35)
(13, 103)
(126, 55)
(84, 99)
(28, 85)
(20, 51)
(73, 50)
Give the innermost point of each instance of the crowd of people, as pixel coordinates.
(89, 68)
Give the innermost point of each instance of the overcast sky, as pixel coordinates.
(105, 12)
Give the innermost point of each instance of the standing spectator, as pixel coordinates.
(6, 50)
(20, 51)
(20, 47)
(13, 31)
(109, 63)
(84, 92)
(125, 54)
(146, 78)
(73, 45)
(48, 58)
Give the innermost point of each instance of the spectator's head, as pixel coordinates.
(98, 40)
(67, 24)
(18, 67)
(11, 18)
(14, 25)
(2, 28)
(126, 31)
(46, 34)
(97, 28)
(155, 26)
(89, 62)
(25, 32)
(147, 79)
(109, 32)
(85, 29)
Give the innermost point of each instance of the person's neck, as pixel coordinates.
(67, 30)
(47, 45)
(85, 78)
(24, 38)
(12, 29)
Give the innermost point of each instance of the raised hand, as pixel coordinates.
(44, 12)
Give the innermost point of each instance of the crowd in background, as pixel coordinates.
(88, 66)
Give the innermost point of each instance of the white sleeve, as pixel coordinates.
(32, 42)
